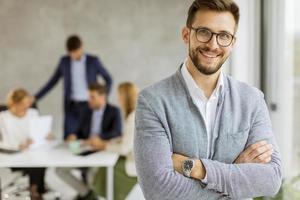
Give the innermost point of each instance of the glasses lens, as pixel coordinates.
(203, 35)
(224, 39)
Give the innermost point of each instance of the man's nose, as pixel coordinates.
(213, 43)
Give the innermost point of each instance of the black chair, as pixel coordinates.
(3, 108)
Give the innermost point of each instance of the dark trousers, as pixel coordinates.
(73, 115)
(36, 177)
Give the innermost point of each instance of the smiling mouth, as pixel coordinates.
(209, 54)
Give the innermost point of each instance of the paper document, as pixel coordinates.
(40, 127)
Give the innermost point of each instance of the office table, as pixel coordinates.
(56, 154)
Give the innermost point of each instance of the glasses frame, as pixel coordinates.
(212, 35)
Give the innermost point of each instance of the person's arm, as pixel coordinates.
(262, 177)
(79, 132)
(104, 73)
(26, 144)
(116, 127)
(2, 136)
(156, 175)
(96, 143)
(71, 137)
(125, 146)
(249, 180)
(50, 84)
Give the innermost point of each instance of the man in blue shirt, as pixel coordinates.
(101, 123)
(78, 70)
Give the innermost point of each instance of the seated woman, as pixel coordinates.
(14, 130)
(124, 171)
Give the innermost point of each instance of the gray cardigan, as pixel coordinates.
(168, 121)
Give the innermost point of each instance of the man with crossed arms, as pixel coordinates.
(200, 134)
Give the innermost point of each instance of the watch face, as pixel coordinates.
(188, 164)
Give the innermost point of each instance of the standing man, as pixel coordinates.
(200, 134)
(78, 70)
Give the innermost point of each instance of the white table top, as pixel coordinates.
(57, 155)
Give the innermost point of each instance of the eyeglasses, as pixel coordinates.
(204, 35)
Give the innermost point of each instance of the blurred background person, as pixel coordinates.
(78, 69)
(15, 130)
(124, 172)
(102, 122)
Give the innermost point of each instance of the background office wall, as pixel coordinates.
(138, 41)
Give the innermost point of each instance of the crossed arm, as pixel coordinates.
(258, 153)
(246, 178)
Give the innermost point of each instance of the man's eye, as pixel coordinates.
(203, 32)
(224, 36)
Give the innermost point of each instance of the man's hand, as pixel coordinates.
(50, 136)
(259, 152)
(72, 137)
(198, 171)
(178, 161)
(96, 143)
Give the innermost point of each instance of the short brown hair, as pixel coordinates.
(99, 88)
(16, 96)
(73, 43)
(215, 5)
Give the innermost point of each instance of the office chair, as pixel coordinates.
(3, 108)
(13, 185)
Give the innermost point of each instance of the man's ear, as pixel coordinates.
(185, 33)
(233, 43)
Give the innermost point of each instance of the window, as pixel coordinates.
(296, 81)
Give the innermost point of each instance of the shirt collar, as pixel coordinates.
(82, 59)
(194, 88)
(100, 111)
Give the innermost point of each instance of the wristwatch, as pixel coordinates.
(188, 166)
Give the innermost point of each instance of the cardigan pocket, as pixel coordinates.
(236, 143)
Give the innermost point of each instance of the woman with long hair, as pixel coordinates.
(124, 171)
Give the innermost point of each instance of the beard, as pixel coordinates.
(206, 70)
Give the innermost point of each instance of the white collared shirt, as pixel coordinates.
(207, 107)
(78, 78)
(96, 122)
(15, 130)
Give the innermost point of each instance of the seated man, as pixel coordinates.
(101, 122)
